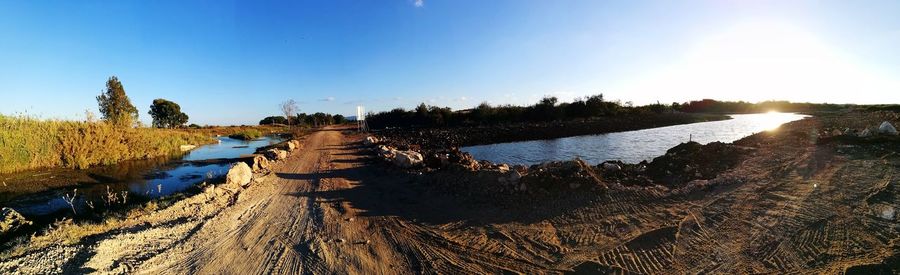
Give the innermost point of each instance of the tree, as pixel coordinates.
(115, 106)
(288, 108)
(167, 114)
(273, 120)
(339, 119)
(301, 118)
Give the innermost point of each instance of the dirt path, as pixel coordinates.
(283, 227)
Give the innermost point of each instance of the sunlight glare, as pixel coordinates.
(772, 120)
(759, 61)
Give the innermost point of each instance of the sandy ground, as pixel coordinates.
(329, 209)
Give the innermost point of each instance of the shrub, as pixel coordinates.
(249, 134)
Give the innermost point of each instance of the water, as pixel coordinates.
(39, 193)
(631, 146)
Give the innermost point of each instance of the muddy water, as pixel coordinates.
(630, 146)
(40, 193)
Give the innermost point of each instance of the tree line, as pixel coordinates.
(303, 119)
(550, 109)
(546, 109)
(715, 106)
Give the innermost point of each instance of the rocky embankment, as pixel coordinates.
(684, 169)
(437, 138)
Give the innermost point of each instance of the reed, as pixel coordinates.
(29, 143)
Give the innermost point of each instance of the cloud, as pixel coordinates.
(330, 98)
(462, 98)
(419, 3)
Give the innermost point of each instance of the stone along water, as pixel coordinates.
(40, 193)
(630, 146)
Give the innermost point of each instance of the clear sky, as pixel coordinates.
(233, 62)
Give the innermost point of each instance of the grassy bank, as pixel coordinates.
(27, 143)
(249, 134)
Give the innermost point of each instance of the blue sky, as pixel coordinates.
(233, 62)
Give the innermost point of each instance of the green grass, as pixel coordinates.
(28, 143)
(248, 134)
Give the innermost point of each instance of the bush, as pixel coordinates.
(249, 134)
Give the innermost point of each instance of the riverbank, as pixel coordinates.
(442, 138)
(27, 143)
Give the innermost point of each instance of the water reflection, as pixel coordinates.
(38, 193)
(631, 146)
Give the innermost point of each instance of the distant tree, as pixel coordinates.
(115, 106)
(273, 120)
(320, 119)
(301, 118)
(288, 108)
(167, 114)
(339, 119)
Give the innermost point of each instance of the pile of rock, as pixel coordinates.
(884, 129)
(460, 173)
(691, 161)
(400, 158)
(276, 154)
(370, 141)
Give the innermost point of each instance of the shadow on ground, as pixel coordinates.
(381, 190)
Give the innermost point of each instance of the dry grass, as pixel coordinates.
(27, 143)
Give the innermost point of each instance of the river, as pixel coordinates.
(630, 146)
(40, 192)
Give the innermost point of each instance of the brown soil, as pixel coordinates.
(795, 204)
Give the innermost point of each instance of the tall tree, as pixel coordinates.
(288, 108)
(114, 104)
(167, 114)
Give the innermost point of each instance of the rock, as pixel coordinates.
(260, 163)
(210, 190)
(836, 132)
(290, 146)
(370, 141)
(276, 154)
(503, 167)
(611, 167)
(240, 174)
(886, 212)
(887, 129)
(865, 133)
(10, 220)
(514, 176)
(187, 147)
(407, 159)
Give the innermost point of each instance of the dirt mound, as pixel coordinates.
(692, 161)
(564, 175)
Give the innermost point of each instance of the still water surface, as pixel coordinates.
(630, 146)
(140, 178)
